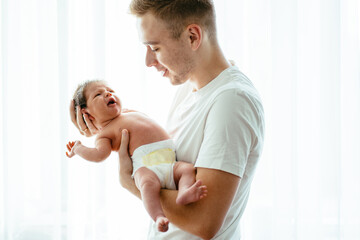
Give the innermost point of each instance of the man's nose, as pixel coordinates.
(150, 59)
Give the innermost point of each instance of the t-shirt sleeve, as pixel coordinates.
(229, 133)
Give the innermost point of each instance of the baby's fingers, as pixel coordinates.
(69, 146)
(69, 155)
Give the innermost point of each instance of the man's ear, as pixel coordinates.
(195, 35)
(85, 111)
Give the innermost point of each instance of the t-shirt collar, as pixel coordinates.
(213, 83)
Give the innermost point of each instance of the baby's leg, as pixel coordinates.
(189, 189)
(149, 185)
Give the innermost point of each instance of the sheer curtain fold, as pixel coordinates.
(303, 56)
(350, 117)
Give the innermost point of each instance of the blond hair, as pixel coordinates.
(178, 14)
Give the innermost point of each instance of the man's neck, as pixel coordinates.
(211, 63)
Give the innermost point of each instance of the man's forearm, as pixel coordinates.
(205, 217)
(128, 183)
(183, 216)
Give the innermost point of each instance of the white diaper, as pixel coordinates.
(160, 158)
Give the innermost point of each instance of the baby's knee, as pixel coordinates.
(146, 179)
(186, 168)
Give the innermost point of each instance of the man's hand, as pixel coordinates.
(82, 121)
(125, 165)
(71, 146)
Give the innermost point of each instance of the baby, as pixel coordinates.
(150, 147)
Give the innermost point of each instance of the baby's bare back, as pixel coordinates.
(142, 130)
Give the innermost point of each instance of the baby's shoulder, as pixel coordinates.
(111, 129)
(131, 115)
(105, 133)
(137, 118)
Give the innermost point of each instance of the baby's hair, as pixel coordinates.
(79, 95)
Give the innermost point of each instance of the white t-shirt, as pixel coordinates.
(220, 126)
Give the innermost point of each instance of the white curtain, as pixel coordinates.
(303, 56)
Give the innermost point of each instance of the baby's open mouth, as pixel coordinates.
(111, 102)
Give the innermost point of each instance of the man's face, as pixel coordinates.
(172, 57)
(102, 102)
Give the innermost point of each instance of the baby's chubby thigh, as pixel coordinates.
(145, 178)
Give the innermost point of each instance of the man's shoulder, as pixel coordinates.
(234, 91)
(233, 78)
(237, 94)
(238, 85)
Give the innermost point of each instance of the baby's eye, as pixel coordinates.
(97, 95)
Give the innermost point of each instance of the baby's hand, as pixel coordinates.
(71, 146)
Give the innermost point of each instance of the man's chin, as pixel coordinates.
(176, 81)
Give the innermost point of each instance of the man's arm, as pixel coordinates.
(203, 218)
(125, 166)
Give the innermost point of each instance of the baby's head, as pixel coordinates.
(98, 100)
(79, 95)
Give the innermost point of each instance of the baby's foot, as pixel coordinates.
(194, 193)
(162, 224)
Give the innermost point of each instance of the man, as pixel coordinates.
(216, 118)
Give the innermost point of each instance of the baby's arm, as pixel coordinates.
(101, 151)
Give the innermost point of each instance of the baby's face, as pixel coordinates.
(102, 102)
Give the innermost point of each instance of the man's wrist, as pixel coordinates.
(125, 178)
(128, 183)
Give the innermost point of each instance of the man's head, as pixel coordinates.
(97, 99)
(178, 14)
(178, 34)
